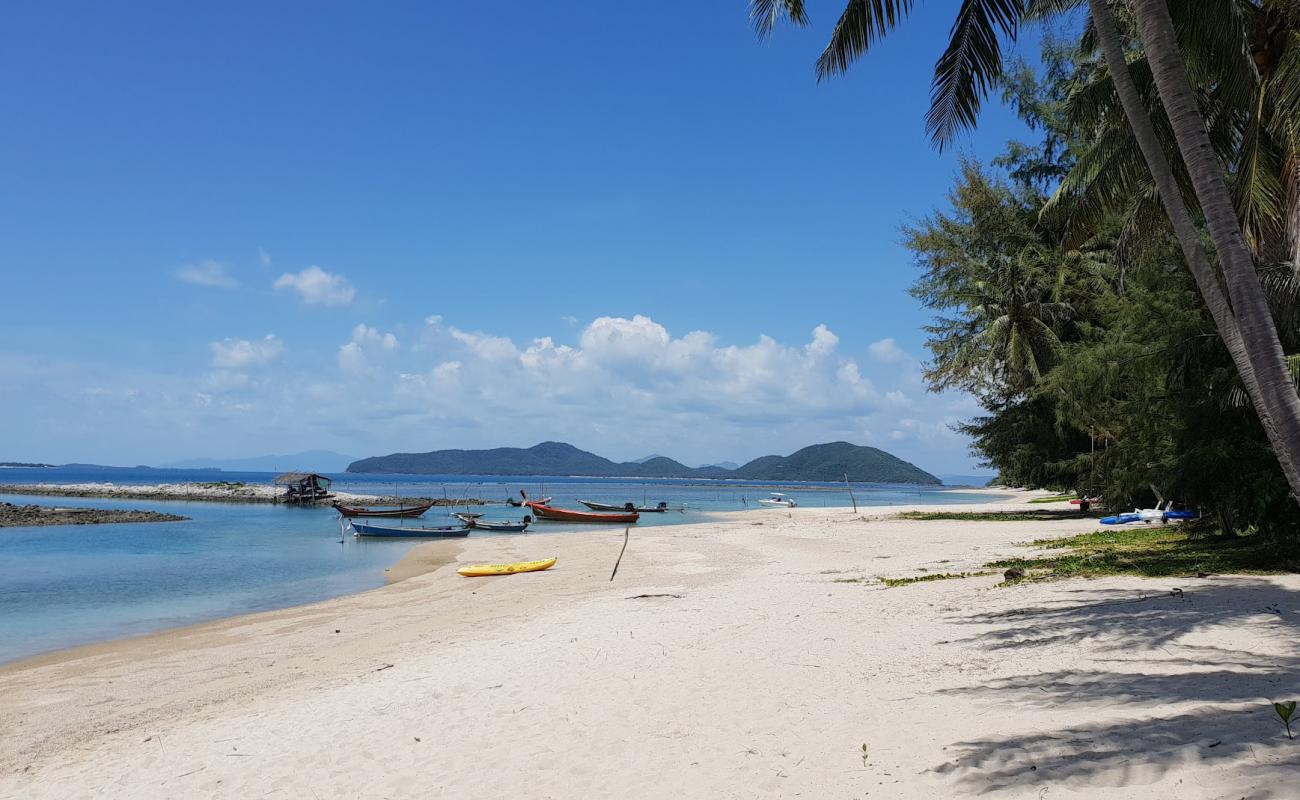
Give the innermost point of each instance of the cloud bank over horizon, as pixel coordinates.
(619, 386)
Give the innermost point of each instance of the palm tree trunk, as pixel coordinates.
(1189, 239)
(1250, 308)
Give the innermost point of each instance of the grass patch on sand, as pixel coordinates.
(1154, 551)
(937, 576)
(1056, 498)
(1045, 515)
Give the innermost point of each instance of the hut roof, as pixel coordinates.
(290, 478)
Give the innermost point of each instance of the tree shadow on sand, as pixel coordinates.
(1223, 716)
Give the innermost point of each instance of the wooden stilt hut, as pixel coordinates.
(303, 487)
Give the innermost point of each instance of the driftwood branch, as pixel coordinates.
(626, 532)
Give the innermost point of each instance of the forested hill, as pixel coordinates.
(821, 462)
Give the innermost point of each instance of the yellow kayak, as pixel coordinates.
(474, 570)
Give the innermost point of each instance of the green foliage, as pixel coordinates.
(1284, 712)
(1068, 316)
(993, 516)
(938, 576)
(1056, 498)
(1154, 551)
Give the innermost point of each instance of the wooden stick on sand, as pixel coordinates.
(626, 531)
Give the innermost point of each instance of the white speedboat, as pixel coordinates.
(778, 499)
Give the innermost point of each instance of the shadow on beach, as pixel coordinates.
(1175, 703)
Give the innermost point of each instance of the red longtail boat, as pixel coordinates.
(544, 511)
(570, 515)
(402, 512)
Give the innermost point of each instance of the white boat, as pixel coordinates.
(778, 499)
(1157, 514)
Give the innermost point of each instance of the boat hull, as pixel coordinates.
(625, 508)
(1121, 519)
(398, 512)
(381, 531)
(499, 527)
(570, 515)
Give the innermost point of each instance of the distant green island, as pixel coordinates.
(819, 462)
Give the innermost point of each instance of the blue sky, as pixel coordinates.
(253, 228)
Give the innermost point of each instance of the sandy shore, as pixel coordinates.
(751, 656)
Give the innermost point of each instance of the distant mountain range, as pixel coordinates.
(314, 460)
(819, 462)
(723, 464)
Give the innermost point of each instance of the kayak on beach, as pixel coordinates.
(477, 570)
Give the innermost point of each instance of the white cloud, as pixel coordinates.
(264, 258)
(242, 353)
(823, 343)
(351, 357)
(318, 287)
(569, 318)
(207, 273)
(621, 386)
(488, 348)
(352, 354)
(886, 351)
(433, 320)
(366, 335)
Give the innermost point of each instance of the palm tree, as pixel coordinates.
(1276, 396)
(1248, 87)
(962, 78)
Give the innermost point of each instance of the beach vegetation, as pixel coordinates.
(1113, 291)
(1284, 712)
(1122, 295)
(934, 576)
(1043, 515)
(1056, 498)
(1154, 551)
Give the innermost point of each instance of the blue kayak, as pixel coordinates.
(1181, 515)
(1121, 519)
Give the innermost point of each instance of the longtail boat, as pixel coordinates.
(594, 506)
(444, 531)
(399, 512)
(571, 515)
(501, 525)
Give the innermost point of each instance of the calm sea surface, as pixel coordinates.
(67, 585)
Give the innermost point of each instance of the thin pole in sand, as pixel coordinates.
(851, 497)
(626, 532)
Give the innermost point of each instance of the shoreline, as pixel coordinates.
(213, 493)
(13, 515)
(750, 655)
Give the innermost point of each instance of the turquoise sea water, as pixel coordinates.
(66, 585)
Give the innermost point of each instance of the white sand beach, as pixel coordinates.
(730, 659)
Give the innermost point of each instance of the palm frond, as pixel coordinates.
(1213, 41)
(1043, 9)
(1257, 184)
(860, 26)
(764, 15)
(971, 63)
(1284, 88)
